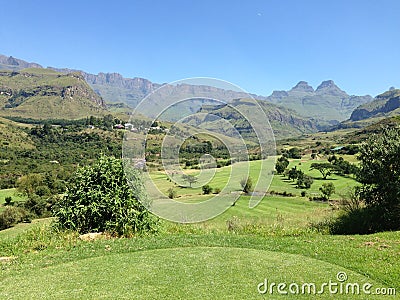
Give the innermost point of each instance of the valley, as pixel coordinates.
(63, 129)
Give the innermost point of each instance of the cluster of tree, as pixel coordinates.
(106, 122)
(337, 165)
(294, 153)
(343, 167)
(42, 192)
(302, 180)
(55, 147)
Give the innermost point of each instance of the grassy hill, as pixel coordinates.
(46, 94)
(284, 122)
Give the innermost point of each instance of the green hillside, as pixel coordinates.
(46, 94)
(284, 122)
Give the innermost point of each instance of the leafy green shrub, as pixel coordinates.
(327, 190)
(171, 193)
(247, 185)
(217, 190)
(8, 200)
(207, 189)
(100, 198)
(375, 205)
(12, 215)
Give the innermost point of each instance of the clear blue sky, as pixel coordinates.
(259, 45)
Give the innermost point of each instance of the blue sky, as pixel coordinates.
(259, 45)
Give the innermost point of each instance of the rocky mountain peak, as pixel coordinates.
(302, 86)
(329, 87)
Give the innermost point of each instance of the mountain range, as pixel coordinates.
(327, 102)
(29, 90)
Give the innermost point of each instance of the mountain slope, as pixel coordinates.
(386, 104)
(11, 63)
(284, 122)
(45, 94)
(328, 102)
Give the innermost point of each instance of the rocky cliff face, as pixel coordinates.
(385, 104)
(40, 93)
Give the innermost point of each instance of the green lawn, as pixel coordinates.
(191, 266)
(226, 257)
(279, 183)
(9, 193)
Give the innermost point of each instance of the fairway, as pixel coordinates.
(176, 273)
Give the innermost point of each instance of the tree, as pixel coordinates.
(324, 168)
(379, 171)
(207, 189)
(281, 164)
(247, 185)
(28, 184)
(189, 179)
(100, 198)
(294, 153)
(327, 190)
(375, 205)
(304, 181)
(293, 173)
(171, 193)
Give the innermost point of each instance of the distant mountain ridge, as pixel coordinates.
(328, 102)
(11, 63)
(384, 105)
(285, 122)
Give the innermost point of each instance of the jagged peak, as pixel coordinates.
(302, 86)
(327, 84)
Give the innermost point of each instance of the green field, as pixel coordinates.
(191, 266)
(279, 183)
(9, 193)
(226, 257)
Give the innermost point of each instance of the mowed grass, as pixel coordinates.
(279, 183)
(226, 257)
(174, 273)
(191, 266)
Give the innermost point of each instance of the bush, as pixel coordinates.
(8, 200)
(303, 193)
(100, 198)
(171, 193)
(12, 215)
(327, 190)
(247, 185)
(206, 189)
(217, 190)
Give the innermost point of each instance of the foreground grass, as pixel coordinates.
(186, 265)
